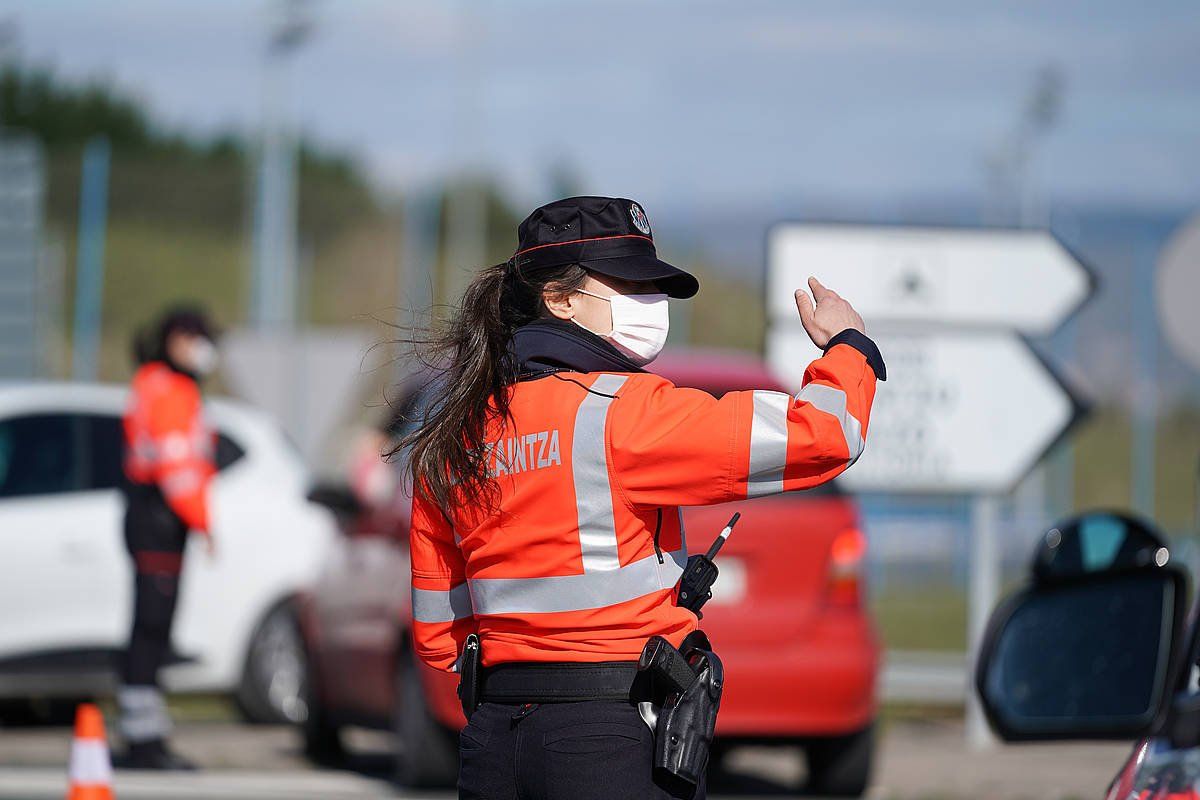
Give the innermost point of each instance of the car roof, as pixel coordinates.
(109, 398)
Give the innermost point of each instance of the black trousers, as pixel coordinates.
(155, 538)
(594, 750)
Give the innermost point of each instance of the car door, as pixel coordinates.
(64, 578)
(356, 601)
(360, 601)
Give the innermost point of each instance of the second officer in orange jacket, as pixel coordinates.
(169, 453)
(548, 475)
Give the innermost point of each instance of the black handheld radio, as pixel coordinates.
(695, 585)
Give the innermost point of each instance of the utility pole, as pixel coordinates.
(275, 205)
(466, 202)
(1011, 195)
(1011, 203)
(89, 261)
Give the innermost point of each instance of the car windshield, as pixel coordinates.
(1167, 773)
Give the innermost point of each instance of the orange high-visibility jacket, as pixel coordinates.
(589, 468)
(167, 441)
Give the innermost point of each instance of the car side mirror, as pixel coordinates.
(1086, 650)
(338, 498)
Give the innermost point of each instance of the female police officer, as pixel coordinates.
(548, 475)
(169, 452)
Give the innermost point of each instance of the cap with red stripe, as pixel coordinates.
(607, 235)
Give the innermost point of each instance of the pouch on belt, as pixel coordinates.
(468, 671)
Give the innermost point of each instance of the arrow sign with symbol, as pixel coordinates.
(969, 407)
(1020, 280)
(963, 411)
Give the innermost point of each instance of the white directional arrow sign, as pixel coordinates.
(960, 412)
(968, 407)
(1016, 279)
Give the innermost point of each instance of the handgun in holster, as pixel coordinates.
(686, 685)
(468, 671)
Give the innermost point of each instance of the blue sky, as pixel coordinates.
(745, 102)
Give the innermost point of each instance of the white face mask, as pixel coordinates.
(204, 357)
(639, 325)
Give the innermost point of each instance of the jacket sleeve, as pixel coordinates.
(441, 601)
(185, 455)
(672, 446)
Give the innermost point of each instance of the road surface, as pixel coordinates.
(917, 759)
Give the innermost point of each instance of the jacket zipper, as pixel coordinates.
(657, 531)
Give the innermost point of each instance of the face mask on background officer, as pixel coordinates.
(192, 353)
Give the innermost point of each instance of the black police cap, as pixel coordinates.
(608, 235)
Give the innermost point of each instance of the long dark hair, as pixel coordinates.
(448, 461)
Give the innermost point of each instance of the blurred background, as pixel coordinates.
(316, 173)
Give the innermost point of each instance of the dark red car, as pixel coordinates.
(788, 616)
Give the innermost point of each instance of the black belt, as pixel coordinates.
(557, 682)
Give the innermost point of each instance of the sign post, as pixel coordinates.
(969, 407)
(89, 263)
(983, 588)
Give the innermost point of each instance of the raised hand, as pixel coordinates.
(828, 316)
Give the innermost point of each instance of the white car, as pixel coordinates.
(65, 577)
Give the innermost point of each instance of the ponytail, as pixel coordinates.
(146, 346)
(448, 456)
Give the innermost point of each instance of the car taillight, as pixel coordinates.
(846, 557)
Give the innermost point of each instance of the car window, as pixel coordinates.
(105, 449)
(229, 452)
(40, 454)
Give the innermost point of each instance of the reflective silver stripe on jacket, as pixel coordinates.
(143, 713)
(769, 433)
(577, 592)
(143, 447)
(175, 446)
(181, 481)
(768, 443)
(833, 401)
(589, 468)
(432, 605)
(604, 582)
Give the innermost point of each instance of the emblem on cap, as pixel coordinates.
(639, 218)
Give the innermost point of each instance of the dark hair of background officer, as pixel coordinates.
(152, 342)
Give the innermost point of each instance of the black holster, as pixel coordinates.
(687, 684)
(468, 671)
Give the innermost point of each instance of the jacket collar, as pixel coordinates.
(553, 345)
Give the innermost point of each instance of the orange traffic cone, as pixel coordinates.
(90, 773)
